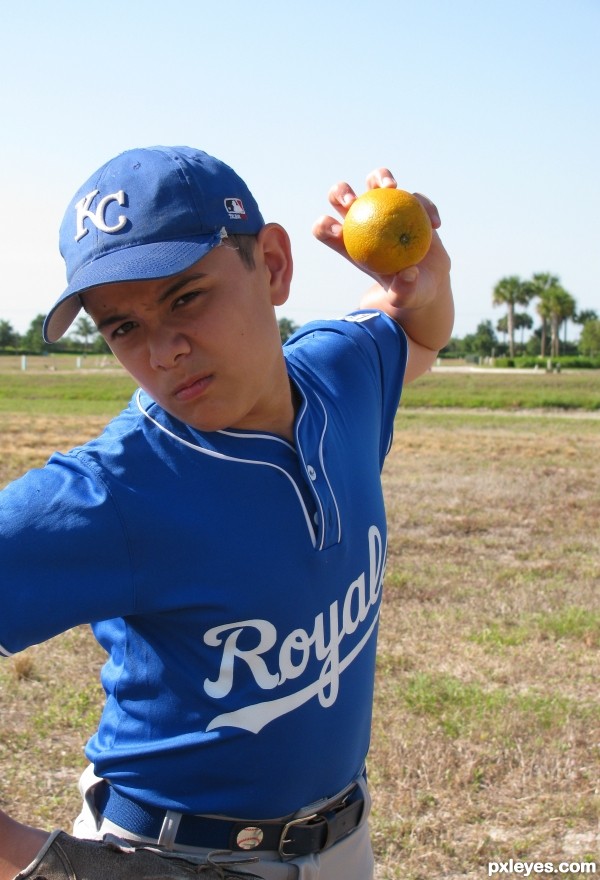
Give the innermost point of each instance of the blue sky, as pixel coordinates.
(490, 107)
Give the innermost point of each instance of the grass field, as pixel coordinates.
(486, 735)
(57, 385)
(512, 390)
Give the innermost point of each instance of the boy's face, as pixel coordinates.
(205, 343)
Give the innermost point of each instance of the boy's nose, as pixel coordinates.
(166, 347)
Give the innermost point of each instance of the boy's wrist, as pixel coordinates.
(19, 845)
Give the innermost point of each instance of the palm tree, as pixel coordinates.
(543, 310)
(562, 307)
(84, 329)
(555, 306)
(511, 292)
(585, 315)
(502, 327)
(540, 284)
(523, 321)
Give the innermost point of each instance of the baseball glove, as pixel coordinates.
(67, 858)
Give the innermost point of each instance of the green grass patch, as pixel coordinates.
(69, 709)
(571, 623)
(452, 704)
(56, 385)
(582, 624)
(460, 708)
(487, 389)
(65, 393)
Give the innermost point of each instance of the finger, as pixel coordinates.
(341, 197)
(432, 211)
(381, 177)
(328, 230)
(404, 285)
(407, 277)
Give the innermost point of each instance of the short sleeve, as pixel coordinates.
(63, 553)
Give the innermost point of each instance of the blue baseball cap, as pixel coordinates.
(148, 213)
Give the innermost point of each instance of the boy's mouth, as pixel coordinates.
(192, 388)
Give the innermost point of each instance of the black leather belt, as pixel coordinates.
(295, 837)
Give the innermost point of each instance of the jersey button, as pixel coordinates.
(311, 472)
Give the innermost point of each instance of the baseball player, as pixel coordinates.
(225, 535)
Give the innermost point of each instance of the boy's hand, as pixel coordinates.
(414, 286)
(419, 298)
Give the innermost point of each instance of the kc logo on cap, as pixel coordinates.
(98, 217)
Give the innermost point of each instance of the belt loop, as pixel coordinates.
(170, 827)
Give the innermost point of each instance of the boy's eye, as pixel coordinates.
(124, 329)
(186, 298)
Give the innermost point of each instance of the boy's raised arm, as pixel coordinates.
(419, 298)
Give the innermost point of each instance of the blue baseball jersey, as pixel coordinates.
(233, 578)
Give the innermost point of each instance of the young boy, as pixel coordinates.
(225, 536)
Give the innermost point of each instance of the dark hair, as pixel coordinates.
(244, 244)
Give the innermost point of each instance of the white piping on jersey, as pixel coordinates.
(221, 455)
(252, 436)
(322, 463)
(4, 652)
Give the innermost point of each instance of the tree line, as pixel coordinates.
(554, 307)
(84, 337)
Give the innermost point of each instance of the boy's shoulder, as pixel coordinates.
(371, 334)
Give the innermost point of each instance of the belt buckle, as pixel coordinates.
(284, 839)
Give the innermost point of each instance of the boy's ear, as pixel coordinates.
(275, 251)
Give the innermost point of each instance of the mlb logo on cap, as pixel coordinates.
(235, 209)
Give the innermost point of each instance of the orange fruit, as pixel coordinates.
(387, 230)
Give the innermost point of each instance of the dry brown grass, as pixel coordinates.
(487, 717)
(26, 441)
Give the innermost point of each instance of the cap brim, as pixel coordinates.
(134, 263)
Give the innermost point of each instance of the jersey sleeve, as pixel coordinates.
(390, 351)
(63, 554)
(365, 353)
